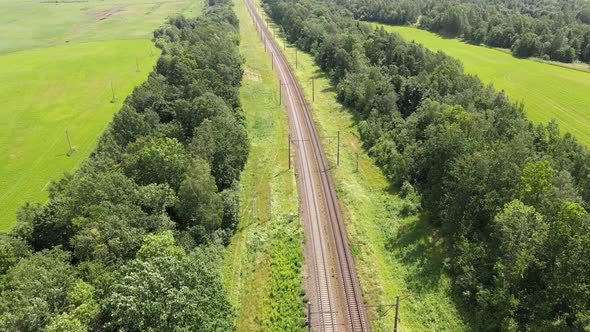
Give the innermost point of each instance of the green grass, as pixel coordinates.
(264, 259)
(393, 255)
(36, 24)
(548, 91)
(50, 86)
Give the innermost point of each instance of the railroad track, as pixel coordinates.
(319, 205)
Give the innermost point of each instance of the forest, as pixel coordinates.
(511, 198)
(557, 30)
(133, 240)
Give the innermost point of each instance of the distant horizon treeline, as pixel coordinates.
(134, 239)
(511, 198)
(556, 30)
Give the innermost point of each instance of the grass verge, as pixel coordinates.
(264, 260)
(393, 254)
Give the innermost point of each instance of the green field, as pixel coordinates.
(548, 91)
(57, 62)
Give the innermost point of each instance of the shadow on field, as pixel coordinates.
(419, 249)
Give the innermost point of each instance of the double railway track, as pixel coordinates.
(336, 298)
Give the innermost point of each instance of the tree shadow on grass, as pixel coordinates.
(419, 247)
(317, 74)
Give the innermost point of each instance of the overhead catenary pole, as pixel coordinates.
(289, 151)
(280, 92)
(357, 162)
(296, 62)
(396, 313)
(136, 64)
(270, 204)
(338, 153)
(308, 316)
(254, 209)
(312, 89)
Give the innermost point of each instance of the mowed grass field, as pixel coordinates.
(57, 62)
(548, 91)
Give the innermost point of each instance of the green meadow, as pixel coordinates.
(548, 91)
(58, 62)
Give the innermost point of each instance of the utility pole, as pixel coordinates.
(289, 151)
(113, 91)
(338, 153)
(272, 56)
(69, 143)
(396, 313)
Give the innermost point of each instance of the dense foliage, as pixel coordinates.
(510, 197)
(133, 240)
(553, 29)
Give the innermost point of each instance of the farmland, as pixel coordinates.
(58, 62)
(548, 91)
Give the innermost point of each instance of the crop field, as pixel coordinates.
(548, 91)
(58, 62)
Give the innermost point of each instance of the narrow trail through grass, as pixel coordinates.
(265, 258)
(548, 91)
(393, 254)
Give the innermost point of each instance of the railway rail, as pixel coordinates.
(325, 229)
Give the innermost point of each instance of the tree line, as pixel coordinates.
(134, 239)
(556, 30)
(510, 197)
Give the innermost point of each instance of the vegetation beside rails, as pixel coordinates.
(264, 263)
